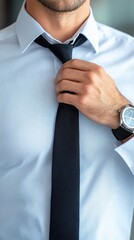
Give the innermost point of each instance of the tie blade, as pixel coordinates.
(42, 41)
(65, 176)
(79, 40)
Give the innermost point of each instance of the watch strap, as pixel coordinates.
(120, 133)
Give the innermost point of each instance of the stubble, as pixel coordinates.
(62, 6)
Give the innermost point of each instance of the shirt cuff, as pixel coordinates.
(126, 151)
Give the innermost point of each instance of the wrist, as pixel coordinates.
(115, 118)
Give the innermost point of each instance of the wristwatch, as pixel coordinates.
(126, 128)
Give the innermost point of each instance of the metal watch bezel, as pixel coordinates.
(122, 119)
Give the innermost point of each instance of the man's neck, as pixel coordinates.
(61, 26)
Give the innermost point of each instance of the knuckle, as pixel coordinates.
(60, 86)
(73, 62)
(64, 73)
(90, 75)
(81, 100)
(99, 69)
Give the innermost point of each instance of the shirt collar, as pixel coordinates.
(91, 32)
(28, 29)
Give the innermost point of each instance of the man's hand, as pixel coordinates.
(91, 90)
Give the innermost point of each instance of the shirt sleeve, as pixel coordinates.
(126, 151)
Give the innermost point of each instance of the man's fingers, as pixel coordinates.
(74, 75)
(67, 98)
(66, 86)
(80, 65)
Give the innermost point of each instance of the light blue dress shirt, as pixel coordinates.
(28, 109)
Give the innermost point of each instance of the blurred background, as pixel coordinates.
(116, 13)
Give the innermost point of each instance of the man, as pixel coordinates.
(32, 82)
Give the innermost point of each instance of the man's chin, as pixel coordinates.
(62, 6)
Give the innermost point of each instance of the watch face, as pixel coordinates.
(128, 117)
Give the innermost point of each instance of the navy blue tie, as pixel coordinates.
(64, 217)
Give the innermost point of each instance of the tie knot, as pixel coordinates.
(61, 51)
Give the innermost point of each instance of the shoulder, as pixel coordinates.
(7, 33)
(8, 42)
(108, 33)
